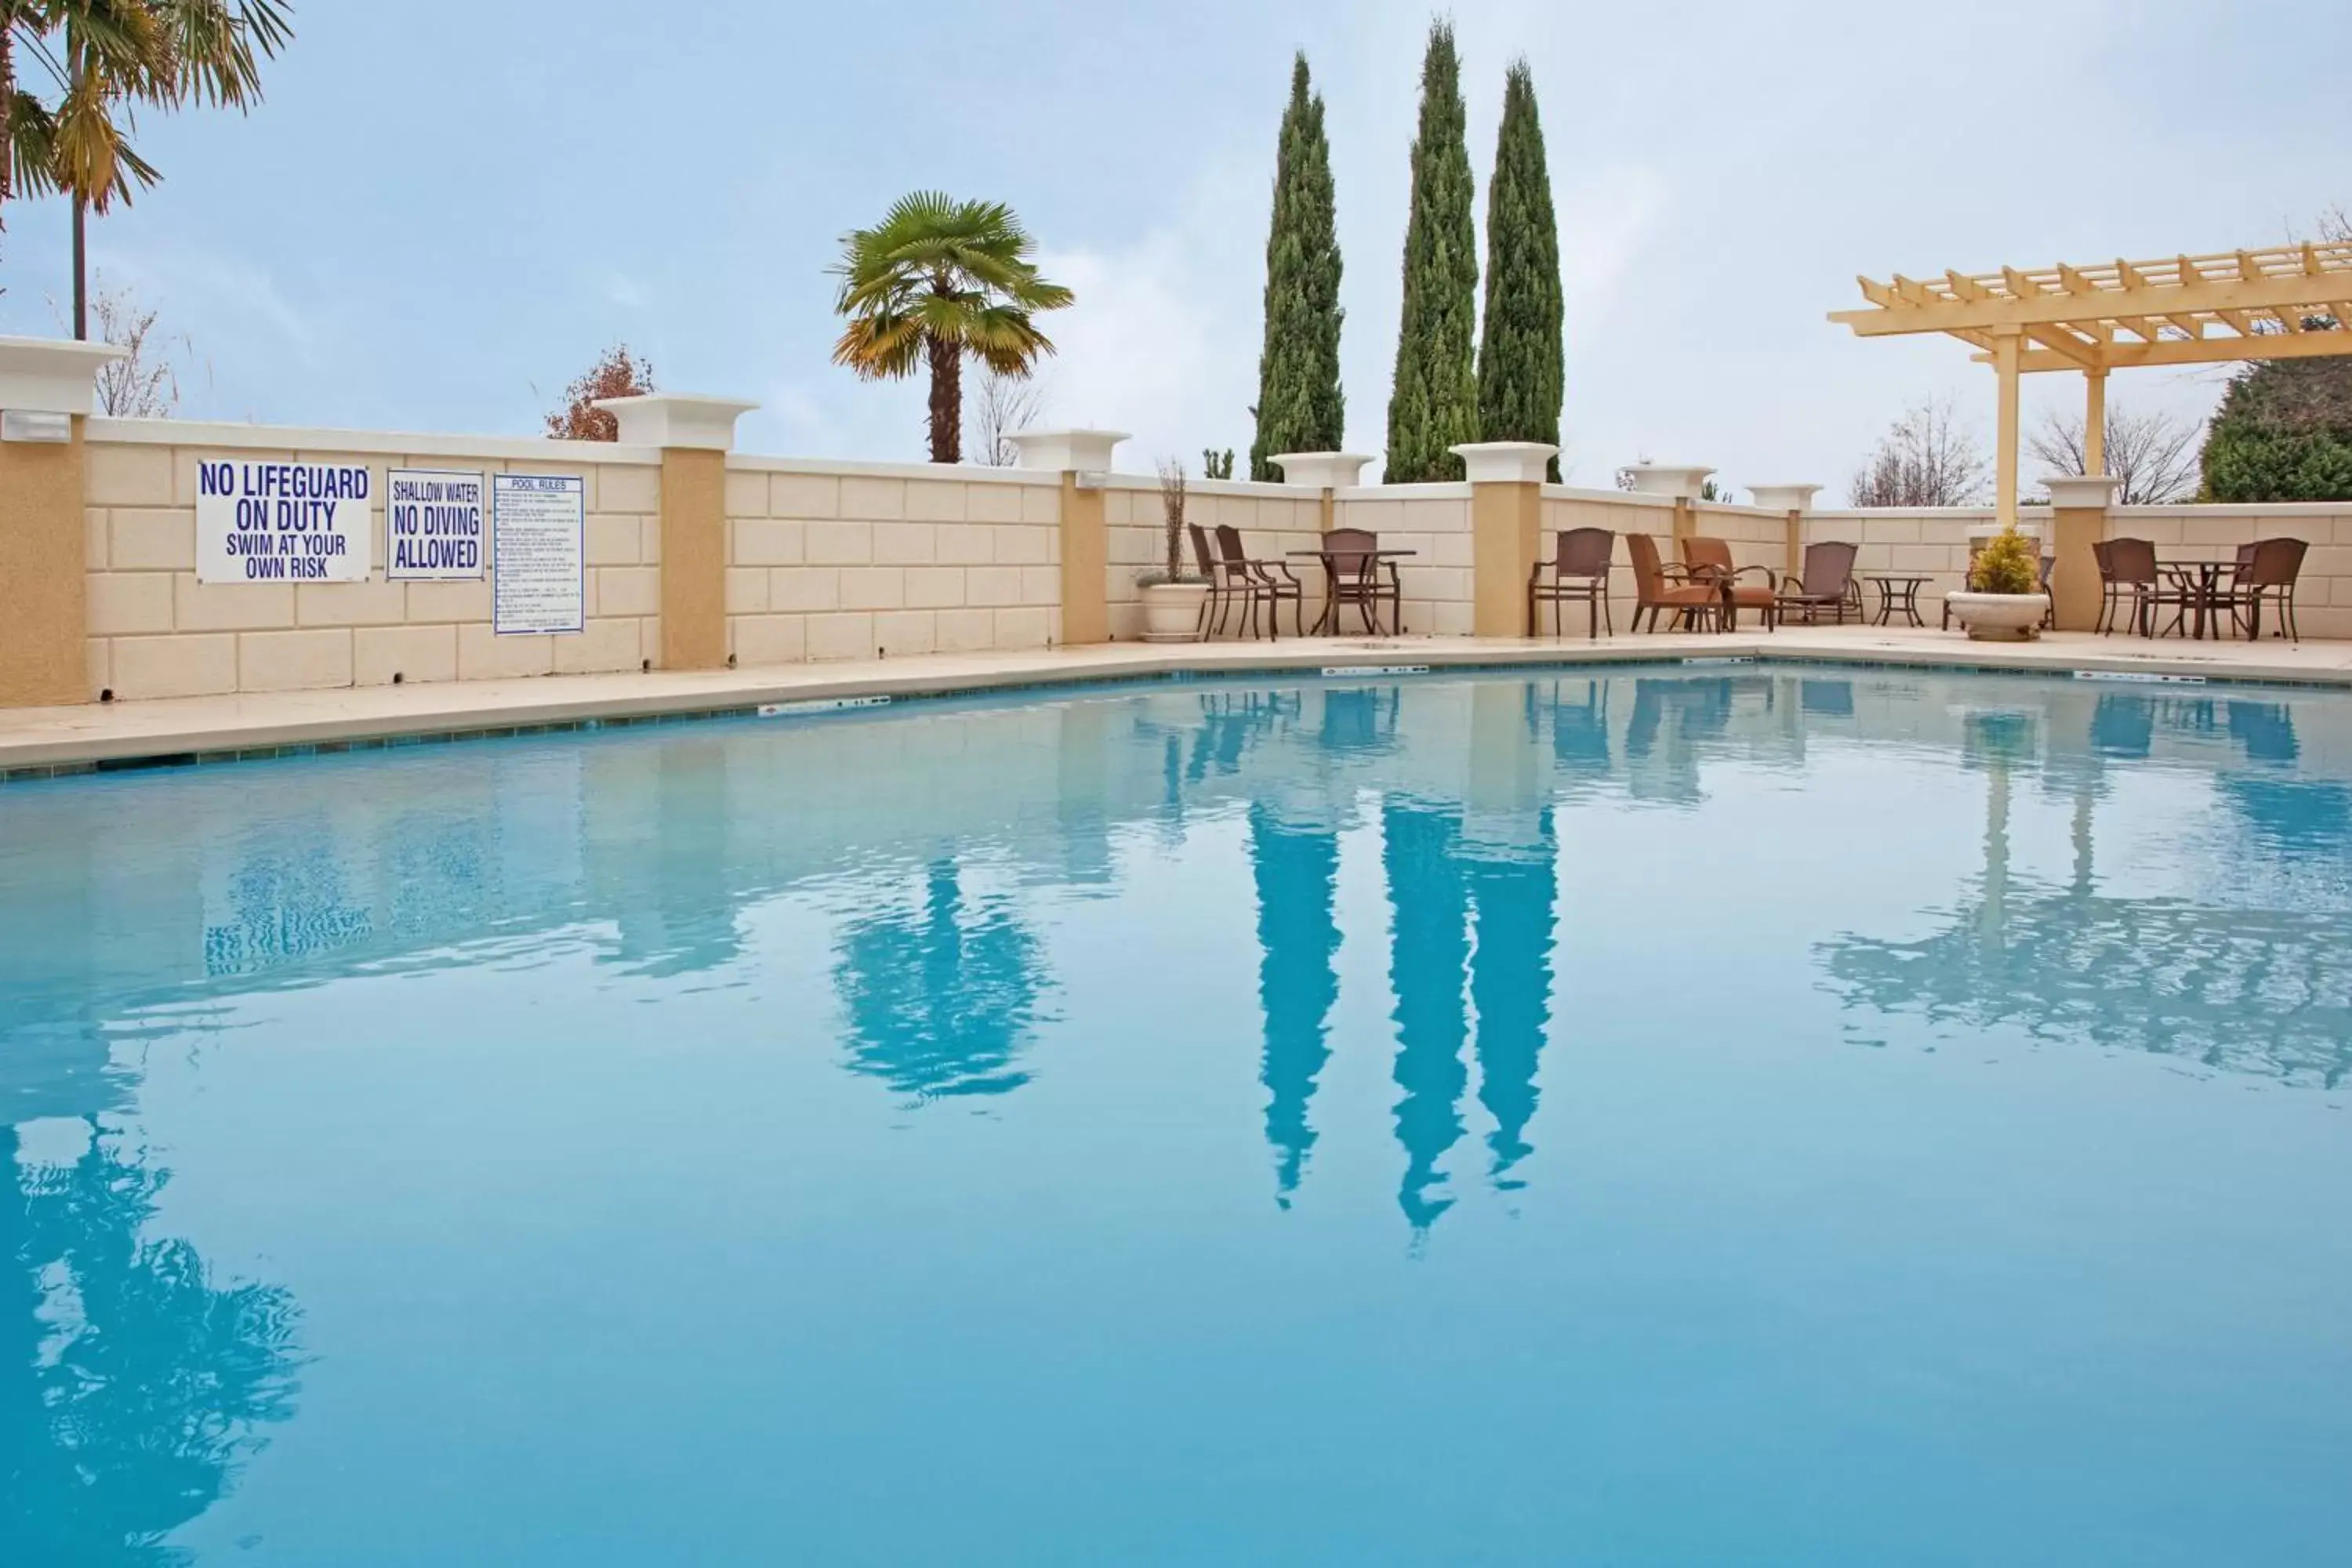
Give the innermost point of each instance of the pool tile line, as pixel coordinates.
(1095, 680)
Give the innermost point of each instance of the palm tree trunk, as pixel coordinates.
(946, 400)
(81, 279)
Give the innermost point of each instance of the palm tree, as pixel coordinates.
(937, 280)
(102, 55)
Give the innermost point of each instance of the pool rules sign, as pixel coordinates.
(282, 523)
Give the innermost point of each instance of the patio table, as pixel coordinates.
(2200, 581)
(1898, 593)
(1330, 618)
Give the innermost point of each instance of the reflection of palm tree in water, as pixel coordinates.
(941, 1000)
(1428, 946)
(131, 1388)
(1297, 934)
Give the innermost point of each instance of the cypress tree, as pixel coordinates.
(1519, 355)
(1300, 407)
(1434, 401)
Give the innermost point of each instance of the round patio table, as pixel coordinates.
(2201, 581)
(1898, 593)
(1330, 618)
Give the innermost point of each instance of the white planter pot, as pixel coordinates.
(2000, 618)
(1172, 611)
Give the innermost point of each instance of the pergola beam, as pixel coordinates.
(2053, 310)
(2202, 350)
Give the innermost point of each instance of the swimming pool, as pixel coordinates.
(1664, 1116)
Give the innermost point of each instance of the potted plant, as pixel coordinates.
(2003, 601)
(1174, 600)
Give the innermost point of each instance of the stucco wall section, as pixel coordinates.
(46, 534)
(155, 631)
(839, 561)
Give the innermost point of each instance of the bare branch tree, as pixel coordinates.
(143, 383)
(1000, 407)
(1926, 459)
(2153, 453)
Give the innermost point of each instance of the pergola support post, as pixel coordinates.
(2008, 348)
(2094, 422)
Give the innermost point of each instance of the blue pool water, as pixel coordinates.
(1759, 1116)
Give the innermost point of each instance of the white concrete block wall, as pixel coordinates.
(1930, 541)
(155, 631)
(837, 561)
(1621, 512)
(2323, 598)
(1273, 520)
(1433, 522)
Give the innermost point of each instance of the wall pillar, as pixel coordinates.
(1796, 500)
(2078, 507)
(1327, 471)
(1083, 457)
(44, 399)
(1506, 479)
(1682, 481)
(694, 435)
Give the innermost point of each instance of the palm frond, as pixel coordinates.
(936, 270)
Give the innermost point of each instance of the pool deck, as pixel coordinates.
(35, 741)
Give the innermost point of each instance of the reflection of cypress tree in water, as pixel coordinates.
(941, 1001)
(1510, 985)
(131, 1388)
(1429, 945)
(1297, 870)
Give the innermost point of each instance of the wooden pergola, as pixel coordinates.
(2287, 302)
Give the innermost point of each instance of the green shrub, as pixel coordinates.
(2283, 433)
(2009, 564)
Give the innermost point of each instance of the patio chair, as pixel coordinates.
(1694, 601)
(2266, 571)
(2049, 606)
(1826, 587)
(2128, 573)
(1580, 570)
(1710, 560)
(1270, 581)
(1223, 586)
(1361, 578)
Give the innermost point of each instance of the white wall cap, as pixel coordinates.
(677, 419)
(50, 375)
(2094, 493)
(1320, 470)
(1681, 480)
(1071, 451)
(1784, 498)
(1992, 529)
(1506, 462)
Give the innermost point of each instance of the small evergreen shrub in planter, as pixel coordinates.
(2003, 601)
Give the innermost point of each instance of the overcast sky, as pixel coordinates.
(443, 210)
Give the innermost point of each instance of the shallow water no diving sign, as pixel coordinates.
(1343, 671)
(2140, 677)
